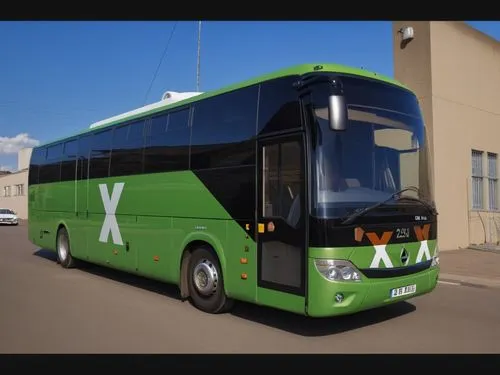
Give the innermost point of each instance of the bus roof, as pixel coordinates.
(294, 70)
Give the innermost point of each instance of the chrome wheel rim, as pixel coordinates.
(205, 277)
(62, 247)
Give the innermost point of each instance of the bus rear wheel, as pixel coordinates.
(206, 284)
(63, 249)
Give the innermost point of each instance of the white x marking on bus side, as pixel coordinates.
(110, 204)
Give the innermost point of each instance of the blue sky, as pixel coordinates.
(58, 77)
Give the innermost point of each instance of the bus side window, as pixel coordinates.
(100, 154)
(224, 130)
(167, 144)
(84, 143)
(50, 171)
(37, 159)
(68, 165)
(128, 143)
(279, 106)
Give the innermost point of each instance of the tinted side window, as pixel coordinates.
(126, 158)
(279, 106)
(167, 145)
(37, 159)
(68, 165)
(223, 130)
(51, 170)
(84, 145)
(54, 152)
(100, 154)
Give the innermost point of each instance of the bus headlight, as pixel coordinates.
(337, 270)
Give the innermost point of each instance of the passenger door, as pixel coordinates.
(281, 217)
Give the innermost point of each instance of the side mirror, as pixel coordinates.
(337, 112)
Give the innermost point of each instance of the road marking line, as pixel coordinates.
(448, 282)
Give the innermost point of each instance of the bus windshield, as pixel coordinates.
(383, 149)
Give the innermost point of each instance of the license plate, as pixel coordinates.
(403, 291)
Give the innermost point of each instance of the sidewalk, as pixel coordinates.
(470, 267)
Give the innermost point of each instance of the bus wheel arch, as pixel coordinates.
(63, 247)
(200, 257)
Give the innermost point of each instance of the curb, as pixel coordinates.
(470, 281)
(488, 249)
(462, 283)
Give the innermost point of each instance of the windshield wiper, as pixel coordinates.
(363, 211)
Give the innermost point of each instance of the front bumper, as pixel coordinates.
(8, 222)
(362, 295)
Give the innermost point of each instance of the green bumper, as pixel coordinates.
(361, 295)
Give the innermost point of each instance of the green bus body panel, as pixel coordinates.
(155, 227)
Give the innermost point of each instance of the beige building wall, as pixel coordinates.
(14, 192)
(23, 158)
(14, 186)
(455, 71)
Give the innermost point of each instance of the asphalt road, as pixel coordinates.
(46, 309)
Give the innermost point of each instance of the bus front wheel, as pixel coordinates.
(206, 284)
(63, 249)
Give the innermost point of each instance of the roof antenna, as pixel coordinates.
(198, 58)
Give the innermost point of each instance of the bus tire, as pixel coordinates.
(206, 283)
(63, 249)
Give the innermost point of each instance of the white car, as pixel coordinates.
(8, 216)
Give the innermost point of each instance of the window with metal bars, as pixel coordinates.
(492, 182)
(477, 180)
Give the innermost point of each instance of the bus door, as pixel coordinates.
(281, 220)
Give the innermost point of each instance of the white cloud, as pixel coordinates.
(11, 145)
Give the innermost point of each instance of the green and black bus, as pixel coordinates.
(307, 190)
